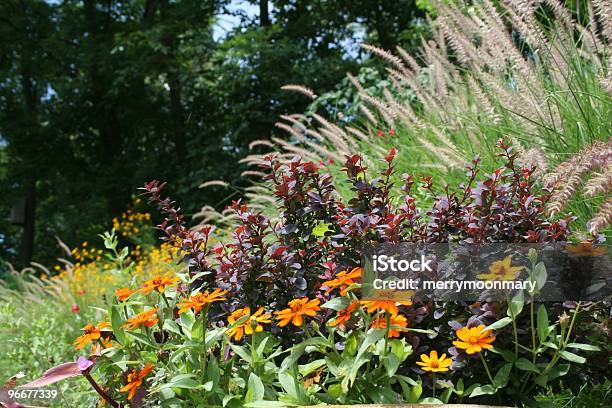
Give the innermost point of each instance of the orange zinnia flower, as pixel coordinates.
(474, 340)
(134, 380)
(585, 248)
(144, 319)
(398, 324)
(159, 283)
(344, 315)
(389, 306)
(433, 363)
(239, 330)
(199, 300)
(124, 293)
(90, 333)
(297, 308)
(343, 280)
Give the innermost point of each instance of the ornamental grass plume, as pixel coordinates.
(474, 340)
(298, 308)
(590, 169)
(251, 323)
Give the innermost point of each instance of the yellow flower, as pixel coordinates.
(474, 340)
(343, 280)
(433, 363)
(398, 324)
(199, 300)
(502, 270)
(246, 327)
(296, 310)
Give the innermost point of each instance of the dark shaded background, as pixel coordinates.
(97, 97)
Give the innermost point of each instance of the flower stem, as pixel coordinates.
(433, 383)
(100, 391)
(486, 367)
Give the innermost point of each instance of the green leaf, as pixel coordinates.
(241, 352)
(574, 358)
(515, 306)
(337, 303)
(171, 326)
(299, 349)
(306, 369)
(184, 381)
(116, 323)
(526, 365)
(391, 363)
(540, 275)
(431, 400)
(255, 389)
(415, 394)
(320, 229)
(558, 371)
(142, 338)
(585, 347)
(543, 324)
(268, 404)
(483, 390)
(501, 378)
(499, 324)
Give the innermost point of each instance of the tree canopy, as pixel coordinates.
(97, 97)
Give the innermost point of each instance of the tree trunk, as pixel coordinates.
(264, 18)
(26, 250)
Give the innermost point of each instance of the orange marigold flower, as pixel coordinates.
(124, 293)
(433, 363)
(251, 325)
(90, 333)
(398, 324)
(144, 319)
(134, 380)
(343, 280)
(201, 299)
(296, 310)
(159, 283)
(344, 315)
(474, 340)
(389, 306)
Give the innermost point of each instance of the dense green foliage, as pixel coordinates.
(98, 96)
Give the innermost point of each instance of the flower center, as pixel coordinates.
(434, 364)
(473, 340)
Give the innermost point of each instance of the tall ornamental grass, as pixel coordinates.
(534, 72)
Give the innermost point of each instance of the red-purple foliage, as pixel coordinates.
(268, 262)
